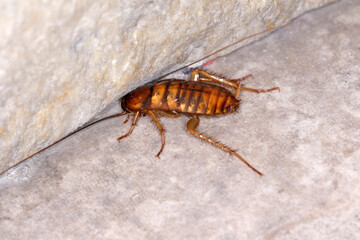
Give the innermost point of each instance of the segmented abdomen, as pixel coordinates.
(183, 97)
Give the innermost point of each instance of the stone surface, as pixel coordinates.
(305, 139)
(61, 62)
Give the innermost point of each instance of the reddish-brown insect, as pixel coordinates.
(204, 94)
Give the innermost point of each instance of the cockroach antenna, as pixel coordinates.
(63, 138)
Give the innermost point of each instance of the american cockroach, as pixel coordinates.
(204, 95)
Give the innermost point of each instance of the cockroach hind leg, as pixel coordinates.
(259, 90)
(191, 126)
(238, 83)
(238, 80)
(210, 77)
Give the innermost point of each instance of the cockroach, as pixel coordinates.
(206, 94)
(203, 95)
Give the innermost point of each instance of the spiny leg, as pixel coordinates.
(191, 126)
(239, 86)
(127, 118)
(259, 90)
(136, 117)
(250, 89)
(234, 83)
(238, 80)
(209, 77)
(166, 114)
(161, 129)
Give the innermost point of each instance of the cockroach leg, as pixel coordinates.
(238, 82)
(136, 117)
(209, 77)
(127, 119)
(230, 83)
(196, 73)
(170, 114)
(259, 90)
(191, 126)
(241, 79)
(161, 129)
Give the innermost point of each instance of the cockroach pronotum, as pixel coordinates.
(204, 95)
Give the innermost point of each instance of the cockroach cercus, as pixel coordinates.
(206, 94)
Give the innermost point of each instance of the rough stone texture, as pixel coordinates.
(306, 140)
(61, 62)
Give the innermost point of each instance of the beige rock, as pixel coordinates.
(61, 62)
(305, 139)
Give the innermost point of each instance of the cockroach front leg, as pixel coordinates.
(136, 117)
(191, 126)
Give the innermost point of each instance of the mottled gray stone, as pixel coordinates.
(61, 62)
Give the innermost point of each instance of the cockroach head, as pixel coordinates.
(124, 105)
